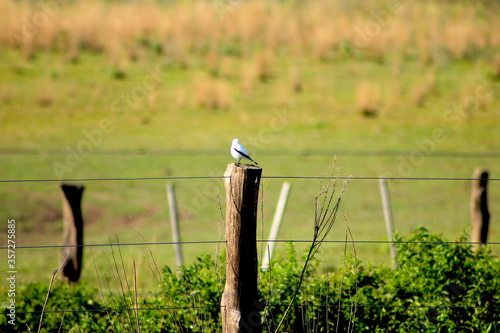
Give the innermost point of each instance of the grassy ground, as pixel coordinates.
(408, 97)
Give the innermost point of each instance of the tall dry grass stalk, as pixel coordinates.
(422, 89)
(153, 98)
(368, 99)
(45, 95)
(496, 68)
(228, 67)
(327, 207)
(212, 94)
(5, 94)
(259, 70)
(296, 80)
(262, 66)
(213, 63)
(394, 90)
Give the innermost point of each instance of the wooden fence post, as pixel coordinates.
(278, 216)
(174, 222)
(389, 224)
(479, 207)
(240, 307)
(72, 255)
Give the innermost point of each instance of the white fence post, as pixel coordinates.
(174, 222)
(389, 224)
(278, 216)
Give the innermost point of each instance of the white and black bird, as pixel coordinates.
(239, 152)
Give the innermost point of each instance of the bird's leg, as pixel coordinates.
(239, 159)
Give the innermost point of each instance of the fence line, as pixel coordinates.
(332, 306)
(177, 152)
(335, 305)
(120, 309)
(258, 241)
(222, 177)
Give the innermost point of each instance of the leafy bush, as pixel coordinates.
(443, 287)
(437, 287)
(63, 297)
(194, 295)
(277, 286)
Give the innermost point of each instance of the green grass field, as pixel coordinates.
(59, 116)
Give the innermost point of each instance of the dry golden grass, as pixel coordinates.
(317, 28)
(262, 66)
(295, 80)
(394, 95)
(248, 79)
(212, 94)
(418, 93)
(5, 95)
(45, 93)
(496, 68)
(368, 99)
(474, 97)
(422, 89)
(259, 70)
(213, 63)
(153, 98)
(228, 67)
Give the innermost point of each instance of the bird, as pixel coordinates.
(239, 152)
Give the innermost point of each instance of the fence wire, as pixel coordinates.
(333, 305)
(316, 153)
(258, 241)
(208, 152)
(68, 180)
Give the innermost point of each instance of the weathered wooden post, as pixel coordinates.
(240, 305)
(389, 224)
(174, 222)
(72, 255)
(479, 207)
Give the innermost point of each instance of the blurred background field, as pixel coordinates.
(101, 89)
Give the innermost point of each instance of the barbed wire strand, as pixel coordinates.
(296, 305)
(259, 240)
(209, 152)
(68, 180)
(317, 153)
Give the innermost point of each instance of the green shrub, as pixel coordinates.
(194, 294)
(277, 287)
(59, 315)
(437, 287)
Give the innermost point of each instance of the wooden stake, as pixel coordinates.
(389, 224)
(174, 222)
(240, 305)
(278, 216)
(72, 255)
(479, 207)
